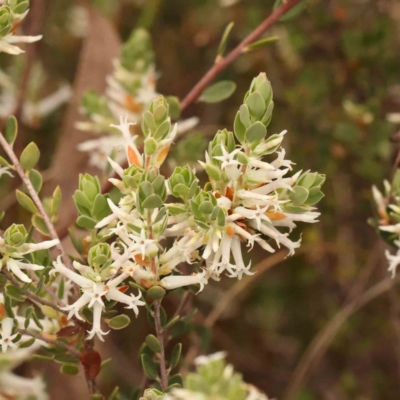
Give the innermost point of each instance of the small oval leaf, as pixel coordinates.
(30, 156)
(218, 92)
(119, 322)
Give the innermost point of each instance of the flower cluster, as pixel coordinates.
(215, 379)
(14, 248)
(248, 199)
(99, 284)
(130, 90)
(35, 107)
(387, 220)
(11, 15)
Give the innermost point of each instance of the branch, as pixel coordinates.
(222, 62)
(31, 296)
(323, 339)
(71, 349)
(160, 337)
(53, 233)
(39, 300)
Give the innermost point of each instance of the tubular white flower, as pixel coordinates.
(15, 267)
(7, 47)
(96, 327)
(176, 281)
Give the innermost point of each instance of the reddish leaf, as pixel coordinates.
(68, 331)
(91, 362)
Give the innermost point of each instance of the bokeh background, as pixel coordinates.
(323, 324)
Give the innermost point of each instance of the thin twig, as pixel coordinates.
(237, 289)
(71, 349)
(53, 233)
(31, 296)
(160, 337)
(322, 340)
(222, 62)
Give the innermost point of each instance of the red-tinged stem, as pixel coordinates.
(222, 62)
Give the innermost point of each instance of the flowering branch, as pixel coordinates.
(17, 165)
(222, 62)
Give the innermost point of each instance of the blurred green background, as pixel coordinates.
(336, 75)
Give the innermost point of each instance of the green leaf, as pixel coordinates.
(299, 195)
(307, 180)
(15, 293)
(153, 201)
(8, 306)
(76, 241)
(36, 320)
(149, 367)
(156, 293)
(256, 132)
(36, 179)
(40, 225)
(218, 92)
(175, 380)
(174, 107)
(150, 146)
(30, 156)
(87, 313)
(100, 206)
(119, 322)
(56, 201)
(69, 369)
(256, 104)
(262, 43)
(224, 39)
(11, 130)
(81, 199)
(176, 355)
(239, 128)
(172, 322)
(4, 162)
(213, 172)
(61, 288)
(26, 344)
(86, 222)
(153, 343)
(26, 202)
(294, 12)
(113, 395)
(315, 195)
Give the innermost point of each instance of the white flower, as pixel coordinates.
(132, 153)
(391, 228)
(7, 46)
(92, 293)
(176, 281)
(12, 260)
(6, 334)
(394, 259)
(231, 166)
(5, 171)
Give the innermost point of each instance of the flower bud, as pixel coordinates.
(183, 183)
(99, 255)
(137, 54)
(15, 235)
